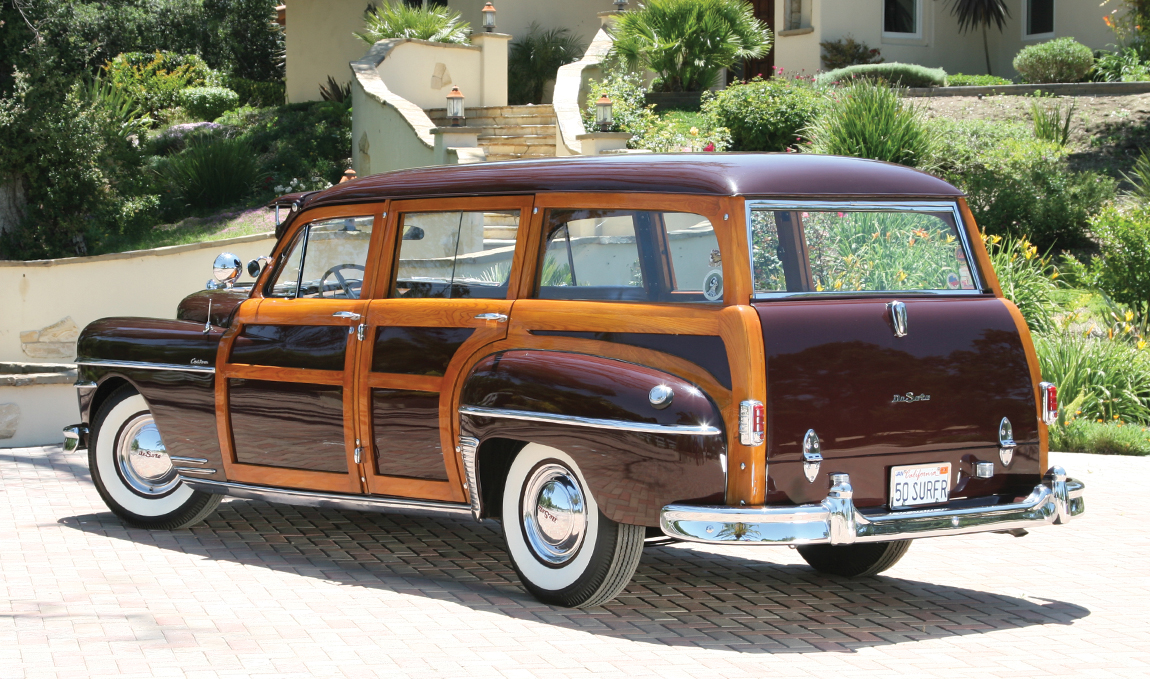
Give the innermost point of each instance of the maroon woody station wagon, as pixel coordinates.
(759, 349)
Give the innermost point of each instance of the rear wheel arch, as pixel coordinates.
(492, 461)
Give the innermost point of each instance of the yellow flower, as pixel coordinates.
(838, 285)
(901, 276)
(1141, 344)
(694, 131)
(819, 287)
(949, 238)
(874, 236)
(1090, 331)
(995, 239)
(1116, 417)
(1129, 316)
(1054, 275)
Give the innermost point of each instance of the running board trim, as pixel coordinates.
(309, 498)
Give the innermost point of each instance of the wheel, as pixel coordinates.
(565, 551)
(854, 561)
(132, 471)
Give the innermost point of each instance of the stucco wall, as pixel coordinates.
(79, 290)
(320, 41)
(423, 73)
(941, 44)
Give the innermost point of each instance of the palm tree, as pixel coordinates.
(972, 14)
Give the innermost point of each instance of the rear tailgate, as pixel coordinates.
(875, 400)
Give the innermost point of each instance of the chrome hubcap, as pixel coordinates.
(142, 458)
(554, 514)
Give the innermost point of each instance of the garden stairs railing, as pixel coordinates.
(509, 132)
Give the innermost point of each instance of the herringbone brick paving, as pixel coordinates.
(266, 590)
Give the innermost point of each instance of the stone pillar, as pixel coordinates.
(493, 68)
(460, 139)
(595, 143)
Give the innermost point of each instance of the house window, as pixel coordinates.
(794, 14)
(1039, 18)
(902, 18)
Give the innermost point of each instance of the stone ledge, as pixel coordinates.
(1064, 89)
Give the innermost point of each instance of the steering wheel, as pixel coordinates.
(335, 271)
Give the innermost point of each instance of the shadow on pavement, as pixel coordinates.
(679, 596)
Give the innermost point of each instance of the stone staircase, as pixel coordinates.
(509, 132)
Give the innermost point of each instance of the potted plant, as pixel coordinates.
(688, 43)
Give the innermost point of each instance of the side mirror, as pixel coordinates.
(413, 233)
(226, 269)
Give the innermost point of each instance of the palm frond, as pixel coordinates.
(975, 14)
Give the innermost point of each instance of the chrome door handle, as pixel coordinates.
(498, 318)
(898, 318)
(346, 314)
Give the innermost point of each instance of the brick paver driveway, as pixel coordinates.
(263, 590)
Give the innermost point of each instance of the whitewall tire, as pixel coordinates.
(564, 549)
(131, 469)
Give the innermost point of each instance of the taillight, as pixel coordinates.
(1049, 402)
(752, 423)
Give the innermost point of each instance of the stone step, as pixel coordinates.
(498, 111)
(530, 121)
(499, 233)
(517, 140)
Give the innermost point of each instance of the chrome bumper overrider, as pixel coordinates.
(836, 521)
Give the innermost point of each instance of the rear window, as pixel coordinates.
(858, 250)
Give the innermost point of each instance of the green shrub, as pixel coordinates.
(1100, 379)
(905, 75)
(246, 41)
(683, 131)
(212, 172)
(1063, 60)
(766, 115)
(80, 167)
(1027, 279)
(1121, 269)
(435, 23)
(208, 103)
(536, 58)
(1019, 186)
(156, 80)
(305, 141)
(963, 80)
(867, 120)
(1081, 435)
(848, 52)
(629, 110)
(687, 43)
(255, 93)
(1139, 178)
(1125, 65)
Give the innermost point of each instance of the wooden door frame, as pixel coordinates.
(271, 311)
(432, 313)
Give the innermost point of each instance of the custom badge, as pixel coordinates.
(713, 286)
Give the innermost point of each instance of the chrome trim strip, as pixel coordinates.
(194, 470)
(857, 205)
(187, 460)
(85, 385)
(107, 363)
(836, 521)
(617, 425)
(468, 447)
(307, 498)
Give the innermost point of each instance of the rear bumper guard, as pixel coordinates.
(836, 521)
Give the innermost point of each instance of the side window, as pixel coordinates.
(629, 255)
(326, 261)
(858, 251)
(455, 255)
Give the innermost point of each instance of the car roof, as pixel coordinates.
(768, 175)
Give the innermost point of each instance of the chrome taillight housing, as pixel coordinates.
(752, 423)
(1049, 394)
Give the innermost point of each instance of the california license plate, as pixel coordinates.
(919, 484)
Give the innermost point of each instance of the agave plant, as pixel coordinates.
(972, 14)
(689, 42)
(434, 23)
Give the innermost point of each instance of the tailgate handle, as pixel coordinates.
(897, 317)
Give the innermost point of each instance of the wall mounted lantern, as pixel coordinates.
(455, 106)
(488, 17)
(603, 116)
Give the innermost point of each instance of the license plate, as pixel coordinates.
(919, 484)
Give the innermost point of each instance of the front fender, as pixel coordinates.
(637, 458)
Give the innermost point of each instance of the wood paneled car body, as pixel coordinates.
(758, 349)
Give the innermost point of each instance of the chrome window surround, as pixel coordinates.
(142, 365)
(864, 206)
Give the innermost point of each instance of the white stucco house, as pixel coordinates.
(320, 41)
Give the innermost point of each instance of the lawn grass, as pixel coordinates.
(228, 224)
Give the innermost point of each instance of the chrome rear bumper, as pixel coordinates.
(836, 521)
